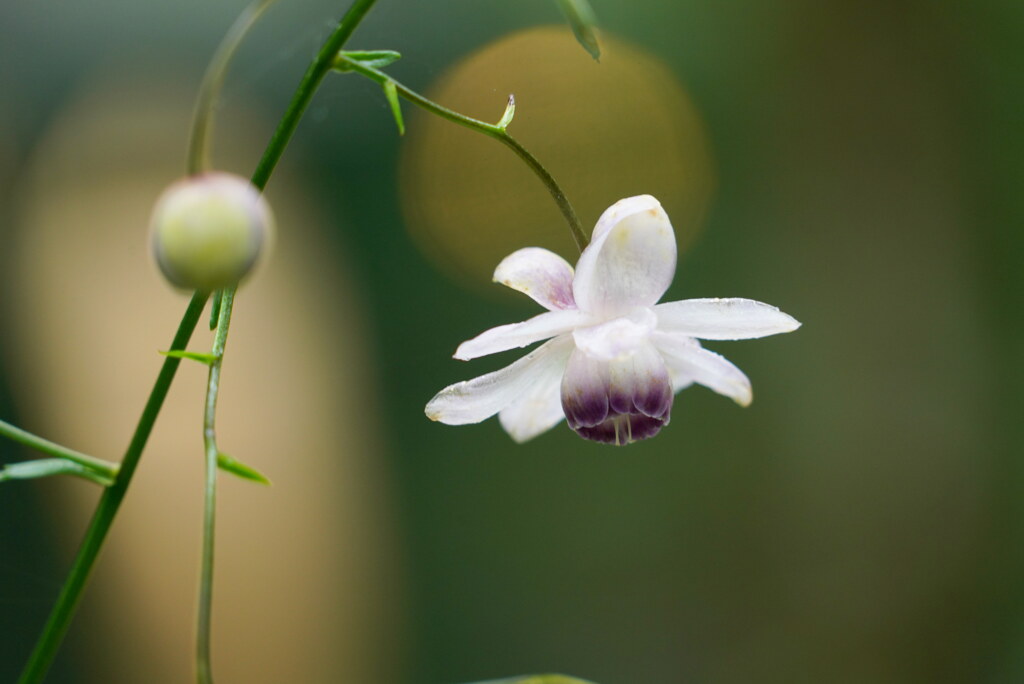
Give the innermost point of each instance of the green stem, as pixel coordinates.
(60, 617)
(307, 87)
(202, 120)
(495, 131)
(110, 501)
(575, 227)
(105, 468)
(204, 669)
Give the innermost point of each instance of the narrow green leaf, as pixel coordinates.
(239, 469)
(215, 309)
(583, 21)
(391, 92)
(45, 467)
(207, 359)
(510, 111)
(375, 59)
(105, 468)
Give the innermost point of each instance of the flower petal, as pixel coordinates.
(630, 260)
(542, 275)
(723, 319)
(688, 360)
(680, 379)
(617, 401)
(618, 337)
(537, 411)
(472, 401)
(585, 390)
(640, 384)
(514, 335)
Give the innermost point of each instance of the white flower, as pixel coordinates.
(616, 357)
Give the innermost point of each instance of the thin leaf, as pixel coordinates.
(105, 468)
(391, 93)
(583, 21)
(45, 467)
(206, 359)
(239, 469)
(374, 59)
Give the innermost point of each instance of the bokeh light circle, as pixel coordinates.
(608, 130)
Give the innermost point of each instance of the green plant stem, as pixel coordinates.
(213, 80)
(97, 465)
(497, 132)
(307, 88)
(204, 669)
(110, 501)
(60, 617)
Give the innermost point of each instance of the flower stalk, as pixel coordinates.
(204, 669)
(498, 131)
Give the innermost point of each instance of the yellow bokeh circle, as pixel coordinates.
(606, 130)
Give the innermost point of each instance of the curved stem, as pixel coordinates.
(202, 119)
(492, 130)
(97, 465)
(204, 670)
(307, 87)
(575, 227)
(110, 501)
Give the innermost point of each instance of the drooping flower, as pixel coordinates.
(616, 357)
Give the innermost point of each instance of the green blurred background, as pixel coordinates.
(858, 164)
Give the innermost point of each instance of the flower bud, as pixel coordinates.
(208, 230)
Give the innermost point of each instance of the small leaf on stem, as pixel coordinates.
(510, 111)
(44, 467)
(206, 359)
(375, 59)
(239, 469)
(391, 93)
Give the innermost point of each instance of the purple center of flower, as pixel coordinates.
(616, 401)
